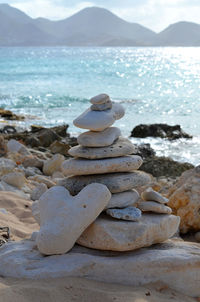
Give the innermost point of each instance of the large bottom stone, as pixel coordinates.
(116, 182)
(174, 263)
(105, 233)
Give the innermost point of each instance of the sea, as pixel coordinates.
(53, 85)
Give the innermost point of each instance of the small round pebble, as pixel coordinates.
(129, 213)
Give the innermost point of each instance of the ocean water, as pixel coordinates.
(155, 85)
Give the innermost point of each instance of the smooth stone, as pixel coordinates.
(15, 179)
(101, 107)
(6, 187)
(33, 161)
(123, 199)
(54, 164)
(100, 99)
(6, 166)
(121, 147)
(116, 182)
(64, 218)
(152, 195)
(76, 166)
(43, 179)
(14, 146)
(108, 234)
(152, 206)
(129, 213)
(35, 207)
(99, 139)
(197, 236)
(173, 264)
(38, 191)
(99, 120)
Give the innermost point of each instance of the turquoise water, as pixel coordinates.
(53, 85)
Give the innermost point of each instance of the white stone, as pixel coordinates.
(100, 99)
(101, 107)
(99, 120)
(15, 179)
(108, 234)
(63, 218)
(174, 263)
(123, 199)
(99, 139)
(152, 206)
(6, 165)
(121, 147)
(54, 164)
(75, 166)
(116, 182)
(38, 191)
(43, 179)
(6, 187)
(15, 146)
(152, 195)
(129, 213)
(36, 210)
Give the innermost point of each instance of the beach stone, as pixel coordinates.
(54, 164)
(35, 207)
(38, 191)
(197, 236)
(99, 139)
(8, 188)
(152, 195)
(155, 207)
(31, 171)
(100, 99)
(108, 234)
(173, 264)
(123, 199)
(3, 146)
(75, 166)
(15, 179)
(60, 147)
(43, 179)
(6, 165)
(129, 213)
(14, 146)
(99, 120)
(116, 182)
(32, 161)
(184, 200)
(101, 107)
(121, 147)
(63, 218)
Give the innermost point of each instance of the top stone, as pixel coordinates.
(100, 99)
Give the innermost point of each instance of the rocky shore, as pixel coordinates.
(39, 160)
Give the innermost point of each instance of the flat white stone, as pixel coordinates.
(121, 147)
(116, 182)
(123, 199)
(14, 146)
(129, 213)
(6, 165)
(101, 107)
(152, 195)
(100, 99)
(15, 179)
(152, 206)
(99, 120)
(63, 218)
(173, 263)
(108, 234)
(54, 164)
(75, 166)
(99, 139)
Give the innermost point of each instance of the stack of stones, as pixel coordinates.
(154, 202)
(104, 156)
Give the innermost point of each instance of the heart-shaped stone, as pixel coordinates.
(63, 218)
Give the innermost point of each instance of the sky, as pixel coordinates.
(154, 14)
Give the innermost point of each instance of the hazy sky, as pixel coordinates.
(155, 14)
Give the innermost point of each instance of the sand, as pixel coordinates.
(82, 290)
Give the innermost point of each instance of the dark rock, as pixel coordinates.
(9, 115)
(164, 166)
(8, 130)
(71, 141)
(59, 130)
(3, 146)
(60, 147)
(144, 150)
(159, 130)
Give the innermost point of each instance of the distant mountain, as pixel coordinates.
(179, 34)
(92, 26)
